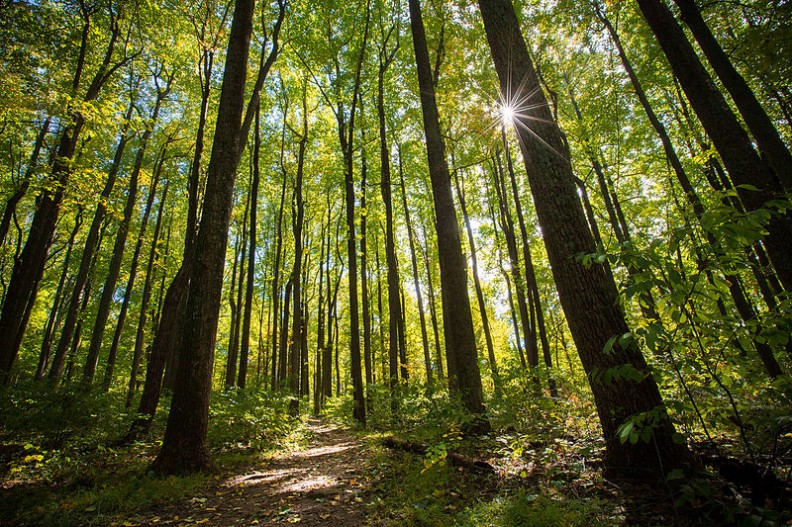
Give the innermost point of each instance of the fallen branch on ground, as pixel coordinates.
(455, 458)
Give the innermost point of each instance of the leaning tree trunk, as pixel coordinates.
(761, 127)
(587, 293)
(461, 354)
(742, 162)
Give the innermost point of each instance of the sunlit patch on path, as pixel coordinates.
(321, 484)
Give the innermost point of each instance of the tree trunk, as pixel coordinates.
(731, 141)
(108, 291)
(587, 294)
(461, 355)
(298, 219)
(364, 285)
(244, 350)
(418, 293)
(507, 227)
(16, 197)
(346, 135)
(54, 315)
(140, 334)
(29, 267)
(761, 127)
(506, 280)
(493, 364)
(276, 271)
(184, 446)
(133, 267)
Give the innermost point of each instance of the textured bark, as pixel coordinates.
(587, 294)
(184, 446)
(461, 354)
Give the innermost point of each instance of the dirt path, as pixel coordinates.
(321, 484)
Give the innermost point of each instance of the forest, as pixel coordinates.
(395, 262)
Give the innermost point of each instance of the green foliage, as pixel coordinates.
(523, 509)
(248, 420)
(60, 462)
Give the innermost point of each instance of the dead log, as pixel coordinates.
(455, 458)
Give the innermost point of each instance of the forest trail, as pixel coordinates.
(319, 484)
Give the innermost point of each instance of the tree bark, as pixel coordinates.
(184, 446)
(587, 294)
(461, 354)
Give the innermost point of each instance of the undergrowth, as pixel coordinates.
(59, 467)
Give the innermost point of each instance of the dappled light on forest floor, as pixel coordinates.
(318, 484)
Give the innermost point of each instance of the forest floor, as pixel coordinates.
(319, 473)
(322, 483)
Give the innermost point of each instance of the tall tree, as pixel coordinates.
(184, 446)
(761, 127)
(385, 57)
(463, 372)
(746, 168)
(587, 293)
(109, 289)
